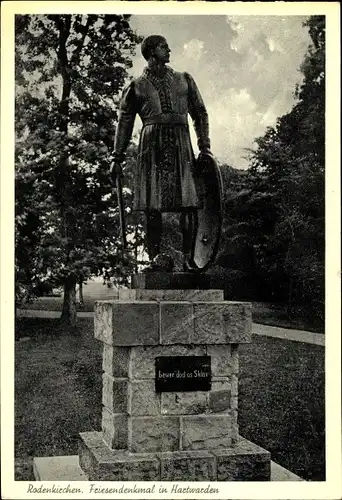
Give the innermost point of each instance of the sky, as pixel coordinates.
(246, 68)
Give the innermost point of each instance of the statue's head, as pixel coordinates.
(155, 47)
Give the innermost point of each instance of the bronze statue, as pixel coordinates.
(168, 177)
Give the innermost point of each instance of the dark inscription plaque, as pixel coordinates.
(183, 373)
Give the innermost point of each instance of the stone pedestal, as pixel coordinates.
(176, 281)
(150, 435)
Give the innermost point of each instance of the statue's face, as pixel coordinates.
(162, 52)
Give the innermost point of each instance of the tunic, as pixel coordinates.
(165, 170)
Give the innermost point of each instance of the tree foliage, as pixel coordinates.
(69, 73)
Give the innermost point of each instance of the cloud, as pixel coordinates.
(233, 119)
(193, 49)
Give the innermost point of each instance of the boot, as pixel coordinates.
(188, 224)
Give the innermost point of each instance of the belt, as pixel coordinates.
(166, 119)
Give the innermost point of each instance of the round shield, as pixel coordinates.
(209, 215)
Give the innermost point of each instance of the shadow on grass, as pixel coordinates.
(58, 386)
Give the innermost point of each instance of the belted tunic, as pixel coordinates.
(165, 171)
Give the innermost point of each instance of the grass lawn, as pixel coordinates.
(58, 383)
(282, 402)
(275, 315)
(58, 394)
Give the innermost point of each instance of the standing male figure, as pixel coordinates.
(165, 171)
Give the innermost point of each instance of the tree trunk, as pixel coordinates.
(80, 293)
(69, 312)
(289, 299)
(63, 182)
(136, 250)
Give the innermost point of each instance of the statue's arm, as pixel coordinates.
(124, 129)
(198, 113)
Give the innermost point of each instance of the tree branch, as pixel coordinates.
(75, 59)
(64, 32)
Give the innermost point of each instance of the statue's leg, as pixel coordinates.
(188, 226)
(153, 232)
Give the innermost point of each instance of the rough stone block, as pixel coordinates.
(244, 462)
(221, 360)
(114, 394)
(238, 323)
(151, 434)
(143, 358)
(143, 399)
(91, 450)
(102, 464)
(115, 429)
(220, 396)
(184, 403)
(176, 281)
(235, 385)
(234, 402)
(103, 321)
(206, 432)
(115, 360)
(235, 426)
(176, 322)
(235, 431)
(187, 466)
(221, 323)
(131, 323)
(92, 439)
(171, 295)
(235, 358)
(208, 323)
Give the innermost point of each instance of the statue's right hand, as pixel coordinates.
(115, 171)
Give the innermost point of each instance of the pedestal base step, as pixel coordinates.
(67, 468)
(243, 462)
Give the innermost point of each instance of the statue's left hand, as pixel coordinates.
(203, 159)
